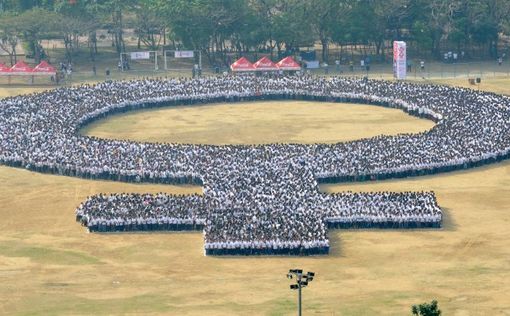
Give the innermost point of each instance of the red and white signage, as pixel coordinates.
(288, 64)
(242, 64)
(399, 60)
(44, 68)
(21, 68)
(265, 64)
(4, 69)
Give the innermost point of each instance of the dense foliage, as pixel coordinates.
(426, 309)
(219, 27)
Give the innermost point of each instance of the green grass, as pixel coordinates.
(45, 255)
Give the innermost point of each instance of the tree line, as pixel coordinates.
(276, 27)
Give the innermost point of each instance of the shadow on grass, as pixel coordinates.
(335, 246)
(449, 223)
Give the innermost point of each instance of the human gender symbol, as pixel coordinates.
(257, 199)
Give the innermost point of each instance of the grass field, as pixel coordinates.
(49, 265)
(260, 122)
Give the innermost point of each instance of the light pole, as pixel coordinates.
(302, 281)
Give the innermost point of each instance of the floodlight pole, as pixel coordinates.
(299, 297)
(302, 281)
(200, 60)
(164, 57)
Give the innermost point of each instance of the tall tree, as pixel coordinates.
(9, 35)
(264, 12)
(498, 14)
(441, 15)
(150, 24)
(76, 19)
(34, 25)
(292, 28)
(323, 16)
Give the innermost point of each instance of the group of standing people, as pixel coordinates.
(257, 199)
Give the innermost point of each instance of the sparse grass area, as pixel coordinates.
(497, 85)
(14, 90)
(258, 122)
(49, 265)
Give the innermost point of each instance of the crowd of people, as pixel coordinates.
(257, 199)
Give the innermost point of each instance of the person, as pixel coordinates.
(500, 61)
(94, 70)
(254, 195)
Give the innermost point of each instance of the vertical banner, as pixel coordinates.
(399, 60)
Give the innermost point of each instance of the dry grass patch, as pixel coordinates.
(49, 265)
(258, 122)
(497, 85)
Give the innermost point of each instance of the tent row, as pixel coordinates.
(23, 69)
(265, 64)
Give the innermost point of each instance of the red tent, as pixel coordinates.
(265, 64)
(242, 64)
(4, 69)
(21, 68)
(45, 68)
(288, 63)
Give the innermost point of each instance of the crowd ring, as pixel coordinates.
(257, 199)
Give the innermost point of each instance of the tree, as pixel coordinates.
(77, 19)
(219, 27)
(264, 15)
(426, 309)
(149, 23)
(292, 27)
(248, 34)
(70, 28)
(389, 15)
(20, 6)
(111, 13)
(211, 26)
(34, 25)
(190, 22)
(9, 32)
(324, 15)
(498, 12)
(440, 19)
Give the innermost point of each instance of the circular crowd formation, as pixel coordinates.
(257, 199)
